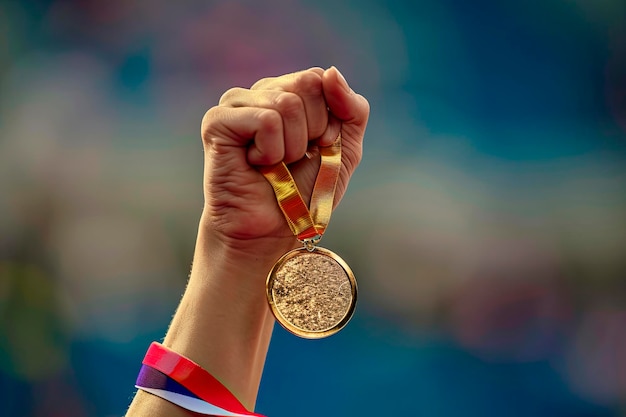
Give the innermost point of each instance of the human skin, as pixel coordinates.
(223, 322)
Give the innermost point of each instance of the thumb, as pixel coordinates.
(350, 108)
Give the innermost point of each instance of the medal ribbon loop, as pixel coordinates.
(307, 223)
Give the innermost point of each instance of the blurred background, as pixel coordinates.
(486, 225)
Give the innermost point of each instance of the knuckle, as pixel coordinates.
(262, 82)
(270, 120)
(289, 105)
(317, 70)
(309, 83)
(208, 123)
(230, 96)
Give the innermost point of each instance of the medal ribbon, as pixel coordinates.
(307, 222)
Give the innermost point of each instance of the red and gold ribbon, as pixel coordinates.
(307, 222)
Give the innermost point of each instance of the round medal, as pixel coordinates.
(312, 292)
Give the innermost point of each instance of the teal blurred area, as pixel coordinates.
(486, 225)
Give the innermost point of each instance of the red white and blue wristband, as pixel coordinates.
(179, 380)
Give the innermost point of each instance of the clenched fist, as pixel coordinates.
(278, 119)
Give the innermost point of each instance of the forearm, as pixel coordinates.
(223, 322)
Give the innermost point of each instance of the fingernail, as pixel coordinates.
(342, 81)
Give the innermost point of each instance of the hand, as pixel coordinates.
(277, 119)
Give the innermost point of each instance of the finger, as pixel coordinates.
(332, 131)
(268, 147)
(258, 129)
(351, 108)
(308, 85)
(289, 105)
(263, 82)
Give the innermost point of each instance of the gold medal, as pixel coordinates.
(311, 291)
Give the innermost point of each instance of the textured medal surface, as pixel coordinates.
(312, 293)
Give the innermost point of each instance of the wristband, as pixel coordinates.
(181, 381)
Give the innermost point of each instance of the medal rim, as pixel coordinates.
(308, 334)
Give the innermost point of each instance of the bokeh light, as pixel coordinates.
(486, 225)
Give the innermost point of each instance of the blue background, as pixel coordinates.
(486, 224)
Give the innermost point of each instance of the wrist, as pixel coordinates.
(224, 322)
(258, 253)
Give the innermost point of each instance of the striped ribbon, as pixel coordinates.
(174, 378)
